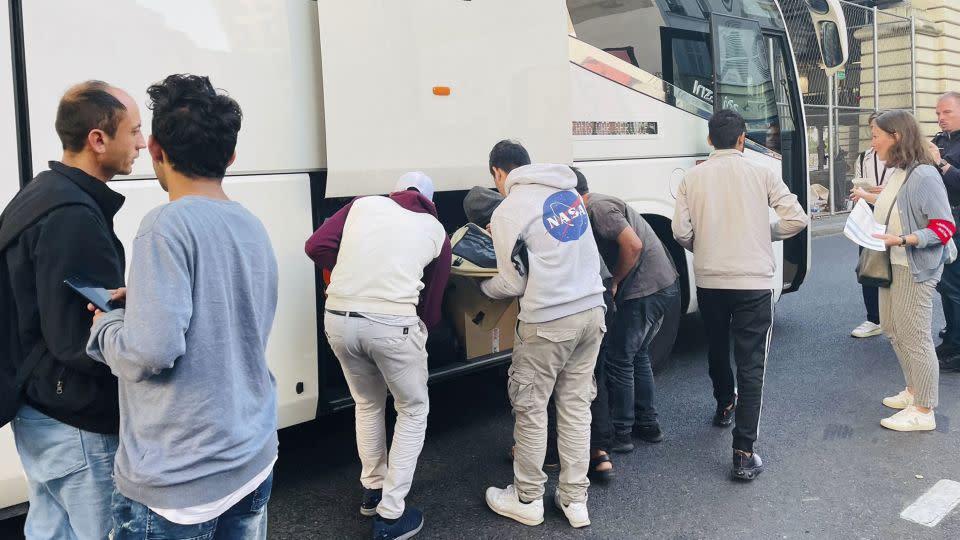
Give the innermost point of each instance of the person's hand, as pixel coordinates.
(858, 193)
(614, 287)
(889, 240)
(934, 152)
(489, 228)
(117, 295)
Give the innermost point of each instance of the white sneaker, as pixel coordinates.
(910, 419)
(576, 513)
(506, 502)
(867, 329)
(900, 401)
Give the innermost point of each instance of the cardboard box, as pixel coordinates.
(484, 326)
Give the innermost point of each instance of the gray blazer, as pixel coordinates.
(921, 199)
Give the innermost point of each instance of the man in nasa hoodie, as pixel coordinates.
(543, 223)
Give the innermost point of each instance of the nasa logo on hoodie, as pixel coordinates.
(565, 216)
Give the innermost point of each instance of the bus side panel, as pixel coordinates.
(265, 53)
(282, 203)
(609, 105)
(503, 61)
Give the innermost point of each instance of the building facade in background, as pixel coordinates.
(918, 59)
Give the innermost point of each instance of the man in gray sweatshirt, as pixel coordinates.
(547, 256)
(197, 403)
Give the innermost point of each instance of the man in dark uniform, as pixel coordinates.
(945, 151)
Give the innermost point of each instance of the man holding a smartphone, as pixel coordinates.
(61, 226)
(945, 152)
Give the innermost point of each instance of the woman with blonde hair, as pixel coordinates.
(919, 225)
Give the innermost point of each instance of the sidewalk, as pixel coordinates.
(827, 225)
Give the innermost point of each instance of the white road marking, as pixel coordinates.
(934, 505)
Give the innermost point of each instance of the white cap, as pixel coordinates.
(417, 180)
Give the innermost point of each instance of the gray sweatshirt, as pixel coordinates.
(544, 211)
(922, 201)
(198, 406)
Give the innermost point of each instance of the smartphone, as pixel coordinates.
(96, 295)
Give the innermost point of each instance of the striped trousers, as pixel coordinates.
(906, 316)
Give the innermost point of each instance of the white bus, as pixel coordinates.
(340, 98)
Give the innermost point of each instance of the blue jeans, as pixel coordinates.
(627, 360)
(69, 474)
(246, 520)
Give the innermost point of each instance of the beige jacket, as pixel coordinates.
(722, 215)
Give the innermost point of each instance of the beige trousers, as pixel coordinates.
(906, 316)
(554, 358)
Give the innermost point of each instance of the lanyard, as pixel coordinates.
(877, 177)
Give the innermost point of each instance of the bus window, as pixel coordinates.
(742, 69)
(623, 29)
(618, 40)
(687, 64)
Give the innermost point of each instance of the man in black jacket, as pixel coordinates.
(62, 225)
(945, 151)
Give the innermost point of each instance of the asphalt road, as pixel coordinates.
(832, 471)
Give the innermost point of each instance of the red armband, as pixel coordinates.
(943, 229)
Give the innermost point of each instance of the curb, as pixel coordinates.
(821, 226)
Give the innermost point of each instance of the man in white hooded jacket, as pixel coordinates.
(547, 256)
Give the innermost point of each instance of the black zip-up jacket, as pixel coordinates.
(949, 145)
(64, 218)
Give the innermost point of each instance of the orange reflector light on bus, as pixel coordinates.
(441, 90)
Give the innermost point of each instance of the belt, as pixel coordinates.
(345, 313)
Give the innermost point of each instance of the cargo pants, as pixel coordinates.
(554, 358)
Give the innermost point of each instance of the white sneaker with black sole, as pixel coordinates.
(506, 502)
(867, 329)
(576, 512)
(910, 419)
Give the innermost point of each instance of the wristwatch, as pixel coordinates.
(903, 240)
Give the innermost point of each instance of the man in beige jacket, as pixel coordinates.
(722, 215)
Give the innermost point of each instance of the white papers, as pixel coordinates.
(861, 226)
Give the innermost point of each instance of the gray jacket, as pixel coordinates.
(921, 199)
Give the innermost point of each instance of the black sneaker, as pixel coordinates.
(943, 333)
(650, 434)
(950, 363)
(406, 526)
(371, 498)
(945, 350)
(746, 468)
(622, 443)
(724, 415)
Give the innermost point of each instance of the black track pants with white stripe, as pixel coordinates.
(746, 317)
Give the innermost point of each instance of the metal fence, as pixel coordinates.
(882, 48)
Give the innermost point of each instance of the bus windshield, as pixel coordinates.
(696, 55)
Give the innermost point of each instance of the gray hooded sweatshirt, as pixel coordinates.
(544, 212)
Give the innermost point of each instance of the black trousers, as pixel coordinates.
(871, 300)
(747, 317)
